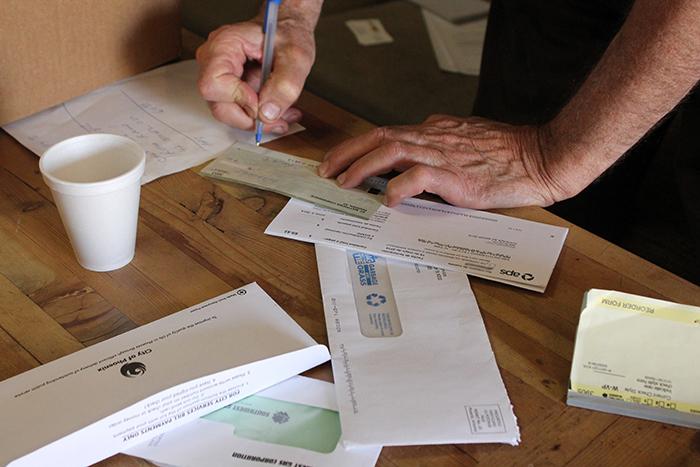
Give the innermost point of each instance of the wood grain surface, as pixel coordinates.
(198, 238)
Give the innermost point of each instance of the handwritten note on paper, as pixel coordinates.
(160, 109)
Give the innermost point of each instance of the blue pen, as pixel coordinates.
(269, 28)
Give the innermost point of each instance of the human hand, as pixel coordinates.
(470, 162)
(230, 74)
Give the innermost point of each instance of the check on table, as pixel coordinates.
(288, 175)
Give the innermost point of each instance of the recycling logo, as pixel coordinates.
(375, 299)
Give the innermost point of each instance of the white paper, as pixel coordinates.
(369, 31)
(457, 47)
(213, 443)
(456, 11)
(94, 403)
(435, 382)
(504, 249)
(160, 109)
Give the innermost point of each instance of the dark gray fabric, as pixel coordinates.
(537, 53)
(203, 16)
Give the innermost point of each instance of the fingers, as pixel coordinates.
(231, 114)
(344, 154)
(420, 178)
(291, 66)
(391, 156)
(222, 61)
(281, 125)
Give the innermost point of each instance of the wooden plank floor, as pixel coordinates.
(198, 238)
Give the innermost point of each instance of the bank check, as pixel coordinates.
(501, 248)
(411, 359)
(294, 423)
(94, 403)
(288, 175)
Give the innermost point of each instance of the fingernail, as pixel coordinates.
(270, 111)
(278, 129)
(322, 169)
(341, 178)
(385, 201)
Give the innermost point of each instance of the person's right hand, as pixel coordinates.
(230, 74)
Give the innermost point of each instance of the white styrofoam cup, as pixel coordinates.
(95, 180)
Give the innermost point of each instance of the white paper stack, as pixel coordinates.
(637, 356)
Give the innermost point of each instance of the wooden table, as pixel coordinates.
(198, 238)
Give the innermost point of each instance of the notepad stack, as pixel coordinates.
(637, 356)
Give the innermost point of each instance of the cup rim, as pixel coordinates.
(56, 181)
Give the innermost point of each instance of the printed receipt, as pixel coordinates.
(505, 249)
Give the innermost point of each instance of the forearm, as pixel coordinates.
(299, 13)
(651, 64)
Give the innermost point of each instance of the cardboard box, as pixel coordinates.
(55, 50)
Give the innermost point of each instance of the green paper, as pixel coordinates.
(281, 422)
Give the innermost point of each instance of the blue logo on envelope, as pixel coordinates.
(366, 269)
(375, 299)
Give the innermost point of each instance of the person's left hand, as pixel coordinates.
(470, 162)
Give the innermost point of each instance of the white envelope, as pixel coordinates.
(293, 423)
(411, 359)
(94, 403)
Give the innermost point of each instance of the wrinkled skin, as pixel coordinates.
(469, 162)
(230, 74)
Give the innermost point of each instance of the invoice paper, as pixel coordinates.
(457, 47)
(160, 109)
(637, 356)
(294, 423)
(369, 31)
(411, 359)
(501, 248)
(288, 175)
(94, 403)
